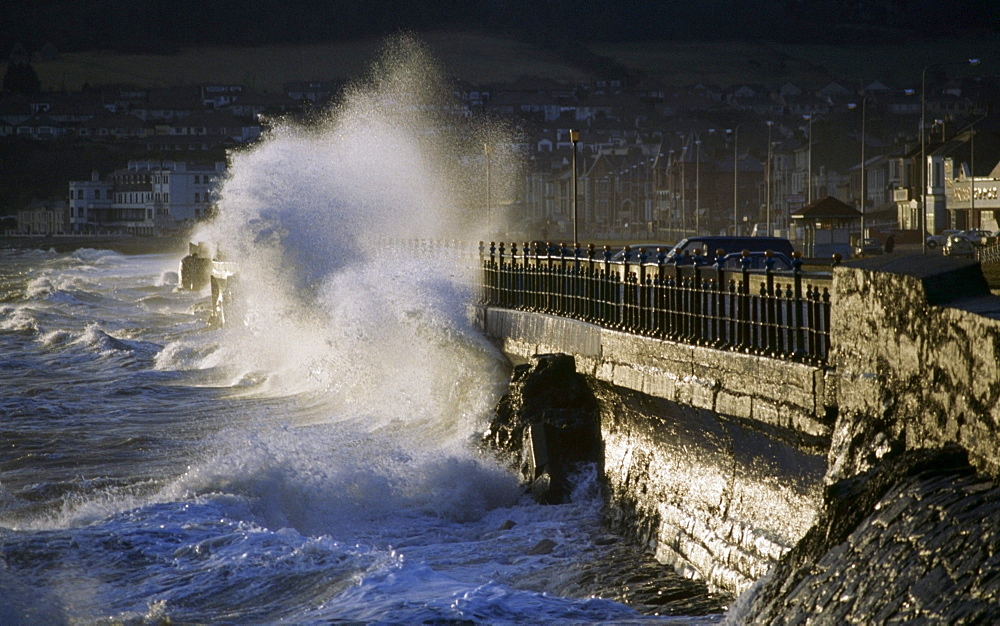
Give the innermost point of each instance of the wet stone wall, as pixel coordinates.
(789, 395)
(861, 493)
(917, 353)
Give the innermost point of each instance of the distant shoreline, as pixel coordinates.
(123, 244)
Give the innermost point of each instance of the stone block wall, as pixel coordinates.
(911, 373)
(779, 393)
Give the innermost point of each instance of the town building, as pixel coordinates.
(145, 198)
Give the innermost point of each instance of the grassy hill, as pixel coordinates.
(485, 59)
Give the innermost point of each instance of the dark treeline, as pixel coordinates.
(161, 27)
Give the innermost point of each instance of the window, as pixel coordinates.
(97, 194)
(166, 197)
(197, 197)
(79, 194)
(197, 179)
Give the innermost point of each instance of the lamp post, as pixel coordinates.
(923, 156)
(736, 141)
(809, 160)
(863, 192)
(697, 187)
(574, 136)
(697, 182)
(489, 224)
(767, 212)
(684, 225)
(671, 181)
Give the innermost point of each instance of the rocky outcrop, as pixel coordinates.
(914, 539)
(548, 421)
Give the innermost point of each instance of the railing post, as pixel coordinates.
(642, 304)
(502, 277)
(798, 323)
(494, 275)
(529, 294)
(661, 294)
(578, 285)
(745, 305)
(610, 289)
(695, 317)
(718, 321)
(563, 282)
(771, 303)
(516, 279)
(625, 307)
(591, 295)
(483, 297)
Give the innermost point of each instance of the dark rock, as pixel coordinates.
(507, 525)
(893, 544)
(548, 424)
(545, 546)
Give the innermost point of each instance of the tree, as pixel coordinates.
(21, 78)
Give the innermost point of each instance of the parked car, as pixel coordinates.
(709, 246)
(868, 247)
(978, 237)
(734, 261)
(651, 252)
(958, 245)
(939, 240)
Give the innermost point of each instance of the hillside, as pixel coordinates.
(486, 59)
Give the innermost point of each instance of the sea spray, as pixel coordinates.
(319, 218)
(313, 461)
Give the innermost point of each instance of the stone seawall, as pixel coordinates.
(915, 365)
(716, 498)
(715, 462)
(916, 347)
(779, 393)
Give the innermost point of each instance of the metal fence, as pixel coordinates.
(772, 313)
(989, 253)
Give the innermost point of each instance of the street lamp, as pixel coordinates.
(574, 136)
(770, 125)
(923, 156)
(809, 160)
(487, 149)
(697, 187)
(697, 182)
(736, 141)
(862, 193)
(684, 224)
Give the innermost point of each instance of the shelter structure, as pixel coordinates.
(826, 224)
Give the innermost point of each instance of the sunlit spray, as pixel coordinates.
(333, 297)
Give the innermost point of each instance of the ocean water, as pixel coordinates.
(314, 460)
(147, 473)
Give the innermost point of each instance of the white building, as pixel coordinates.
(145, 198)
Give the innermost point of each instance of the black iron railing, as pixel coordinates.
(989, 253)
(781, 314)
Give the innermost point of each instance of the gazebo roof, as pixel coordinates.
(827, 208)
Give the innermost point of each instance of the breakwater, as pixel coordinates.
(912, 367)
